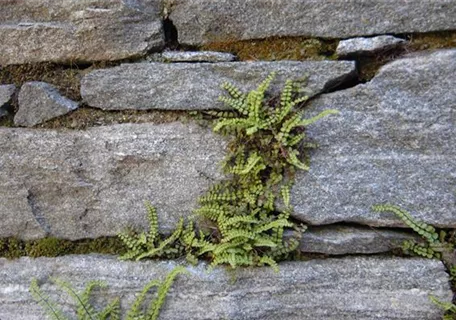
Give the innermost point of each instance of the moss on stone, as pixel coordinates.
(285, 48)
(12, 248)
(432, 40)
(85, 117)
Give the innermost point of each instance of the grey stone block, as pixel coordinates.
(93, 183)
(67, 31)
(40, 102)
(350, 288)
(196, 86)
(393, 142)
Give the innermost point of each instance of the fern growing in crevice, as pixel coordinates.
(265, 152)
(150, 244)
(435, 246)
(247, 228)
(86, 311)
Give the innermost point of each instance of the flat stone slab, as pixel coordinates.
(200, 21)
(393, 142)
(193, 56)
(93, 183)
(40, 102)
(343, 239)
(196, 86)
(68, 31)
(349, 288)
(365, 46)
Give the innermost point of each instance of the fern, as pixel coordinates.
(149, 245)
(266, 150)
(434, 247)
(86, 311)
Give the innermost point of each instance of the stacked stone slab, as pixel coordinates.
(200, 21)
(350, 288)
(196, 86)
(393, 142)
(68, 31)
(93, 183)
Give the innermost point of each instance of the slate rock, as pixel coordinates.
(202, 21)
(67, 31)
(196, 86)
(40, 102)
(348, 288)
(192, 56)
(93, 183)
(393, 142)
(343, 239)
(365, 46)
(6, 94)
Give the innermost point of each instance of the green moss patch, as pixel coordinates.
(12, 248)
(286, 48)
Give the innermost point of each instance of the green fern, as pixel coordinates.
(433, 246)
(150, 245)
(86, 311)
(246, 227)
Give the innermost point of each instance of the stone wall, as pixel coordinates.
(81, 167)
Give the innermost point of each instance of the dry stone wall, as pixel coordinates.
(393, 142)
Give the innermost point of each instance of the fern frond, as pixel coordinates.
(85, 310)
(156, 305)
(172, 238)
(50, 307)
(322, 114)
(135, 311)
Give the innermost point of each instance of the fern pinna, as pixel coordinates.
(246, 226)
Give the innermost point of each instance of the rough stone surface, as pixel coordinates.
(360, 46)
(342, 239)
(202, 21)
(67, 31)
(193, 56)
(350, 288)
(6, 94)
(87, 184)
(393, 142)
(39, 102)
(196, 86)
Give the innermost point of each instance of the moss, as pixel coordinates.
(52, 247)
(286, 48)
(85, 117)
(431, 40)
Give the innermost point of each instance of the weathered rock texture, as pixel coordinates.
(393, 142)
(84, 184)
(341, 239)
(196, 56)
(78, 30)
(363, 46)
(196, 86)
(350, 288)
(39, 102)
(202, 21)
(6, 94)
